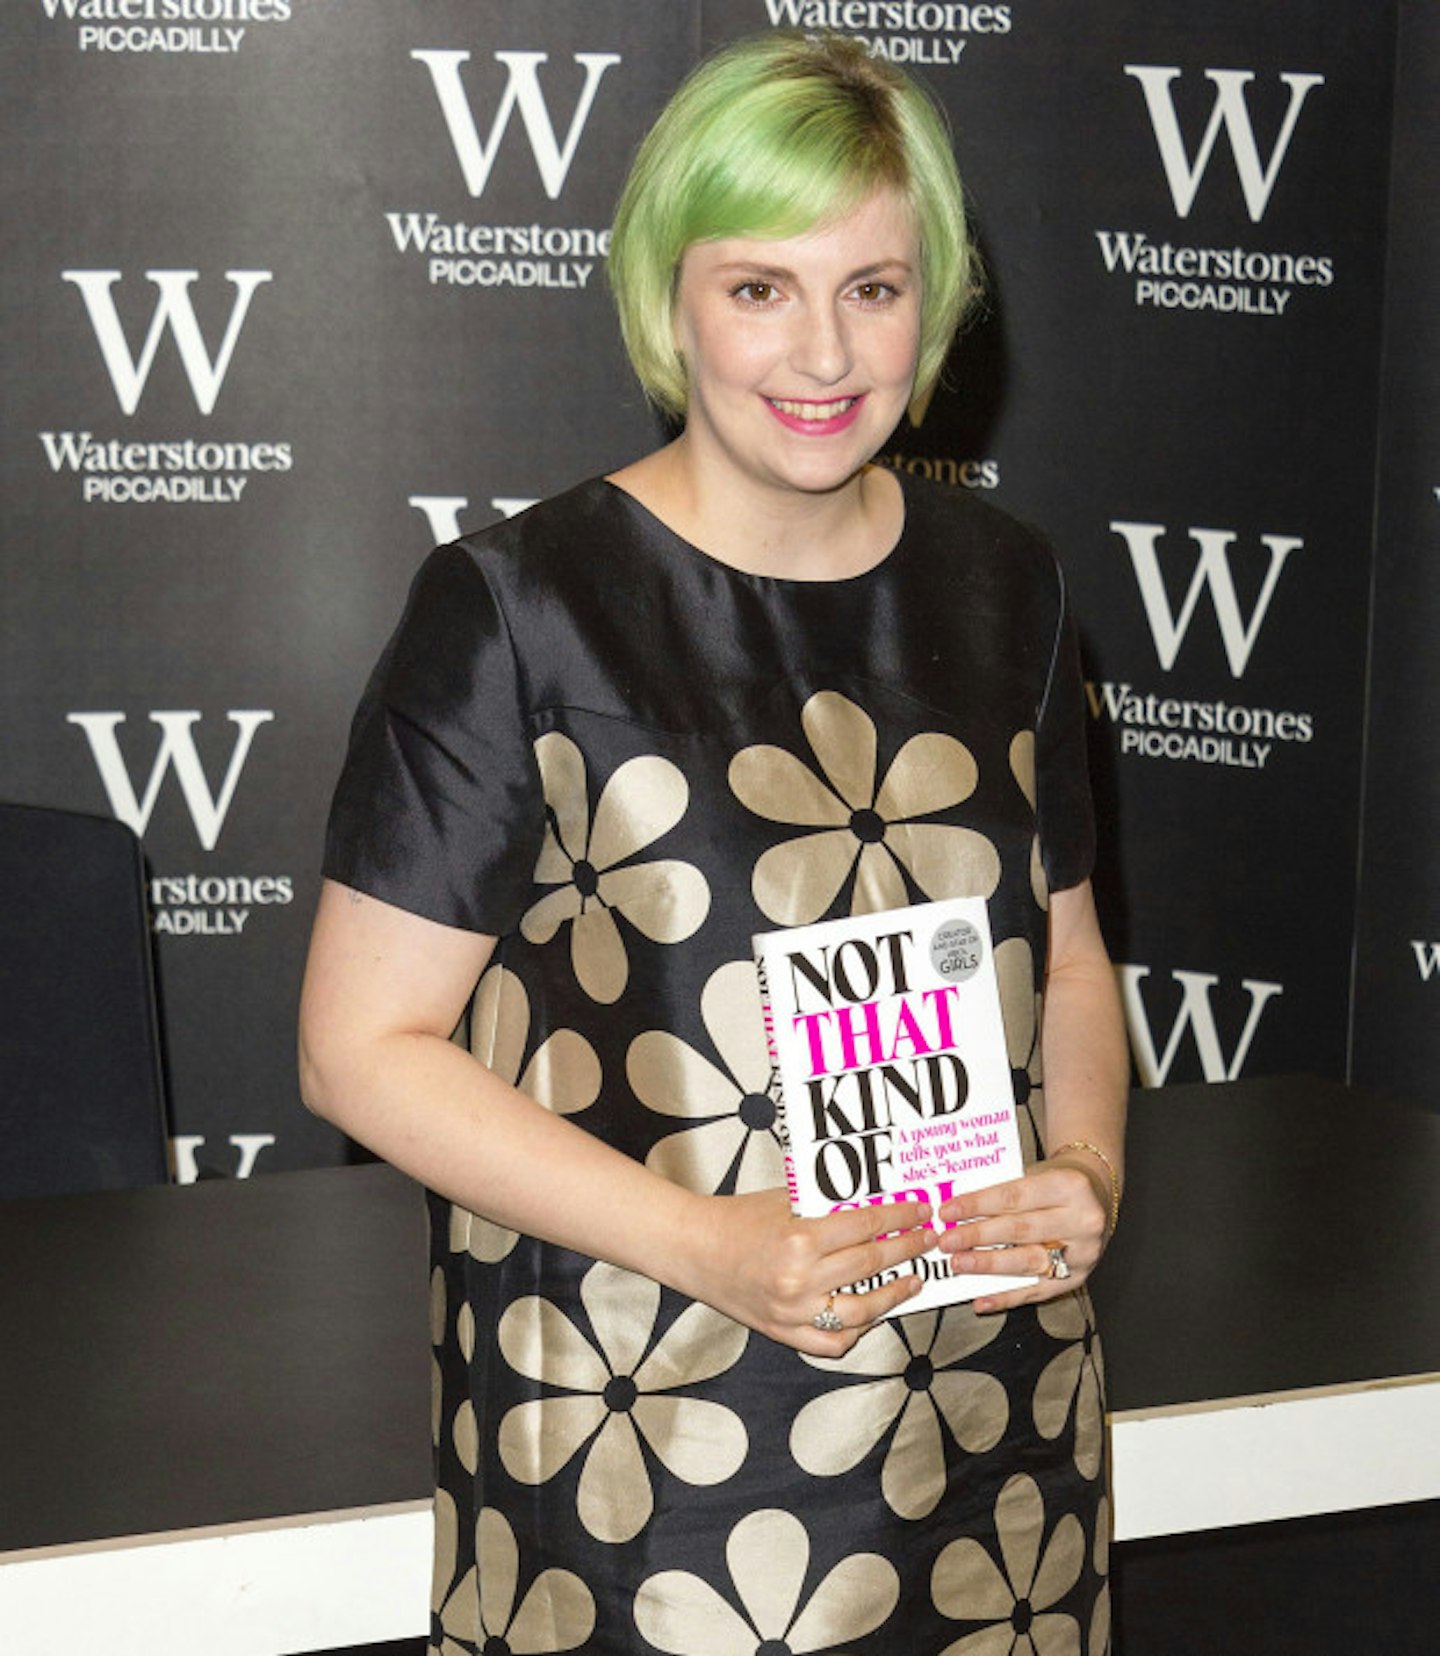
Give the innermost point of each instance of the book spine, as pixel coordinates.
(777, 1086)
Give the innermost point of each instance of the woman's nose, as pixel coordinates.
(821, 347)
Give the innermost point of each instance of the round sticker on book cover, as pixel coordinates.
(956, 951)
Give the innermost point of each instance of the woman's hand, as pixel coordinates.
(756, 1262)
(1009, 1229)
(1069, 1201)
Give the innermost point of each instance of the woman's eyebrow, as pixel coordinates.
(779, 273)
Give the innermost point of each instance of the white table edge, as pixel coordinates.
(1276, 1455)
(319, 1580)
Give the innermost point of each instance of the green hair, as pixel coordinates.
(769, 138)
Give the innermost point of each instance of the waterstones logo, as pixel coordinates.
(174, 311)
(1212, 572)
(945, 468)
(442, 512)
(1227, 278)
(210, 27)
(461, 254)
(177, 751)
(186, 904)
(1194, 1026)
(1427, 960)
(1209, 731)
(1229, 111)
(174, 470)
(114, 472)
(901, 31)
(213, 905)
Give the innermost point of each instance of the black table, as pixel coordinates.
(215, 1398)
(1269, 1306)
(215, 1417)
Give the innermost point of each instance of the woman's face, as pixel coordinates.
(800, 353)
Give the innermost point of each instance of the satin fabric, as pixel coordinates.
(623, 758)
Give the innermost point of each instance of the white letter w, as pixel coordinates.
(128, 374)
(522, 89)
(1230, 111)
(177, 748)
(1212, 570)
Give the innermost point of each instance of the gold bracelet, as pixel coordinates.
(1096, 1151)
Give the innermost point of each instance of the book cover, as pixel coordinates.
(891, 1073)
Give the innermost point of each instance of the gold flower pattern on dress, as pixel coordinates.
(1022, 768)
(735, 1144)
(464, 1432)
(465, 1435)
(617, 1396)
(588, 863)
(556, 1614)
(454, 1605)
(767, 1554)
(1100, 1616)
(912, 1380)
(1021, 1008)
(872, 829)
(438, 1315)
(563, 1074)
(564, 1426)
(967, 1586)
(1072, 1377)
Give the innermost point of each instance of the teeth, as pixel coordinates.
(813, 411)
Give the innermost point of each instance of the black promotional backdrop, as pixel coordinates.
(295, 288)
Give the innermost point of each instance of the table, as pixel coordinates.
(215, 1397)
(215, 1413)
(1269, 1307)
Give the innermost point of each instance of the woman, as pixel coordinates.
(750, 680)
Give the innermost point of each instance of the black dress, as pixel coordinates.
(623, 758)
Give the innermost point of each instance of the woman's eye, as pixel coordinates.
(756, 293)
(874, 293)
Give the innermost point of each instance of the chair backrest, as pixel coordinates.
(82, 1100)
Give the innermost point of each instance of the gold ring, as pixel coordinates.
(827, 1319)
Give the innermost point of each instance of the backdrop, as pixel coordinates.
(296, 288)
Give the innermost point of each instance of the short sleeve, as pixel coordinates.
(1063, 803)
(439, 808)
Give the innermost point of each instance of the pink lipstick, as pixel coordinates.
(814, 418)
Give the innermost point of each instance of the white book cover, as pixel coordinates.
(890, 1069)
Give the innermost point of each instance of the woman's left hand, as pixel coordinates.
(1010, 1229)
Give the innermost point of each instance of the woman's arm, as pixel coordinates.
(383, 991)
(1069, 1197)
(1084, 1046)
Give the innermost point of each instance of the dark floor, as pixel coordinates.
(1332, 1586)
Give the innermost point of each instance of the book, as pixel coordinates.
(890, 1070)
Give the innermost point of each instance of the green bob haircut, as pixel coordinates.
(770, 138)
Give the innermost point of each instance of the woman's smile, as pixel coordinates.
(816, 419)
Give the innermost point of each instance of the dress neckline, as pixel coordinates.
(659, 526)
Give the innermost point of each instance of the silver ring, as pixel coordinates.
(827, 1319)
(1059, 1270)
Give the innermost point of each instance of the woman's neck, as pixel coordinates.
(791, 533)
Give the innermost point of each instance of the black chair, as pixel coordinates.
(82, 1100)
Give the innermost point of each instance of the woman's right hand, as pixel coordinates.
(756, 1262)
